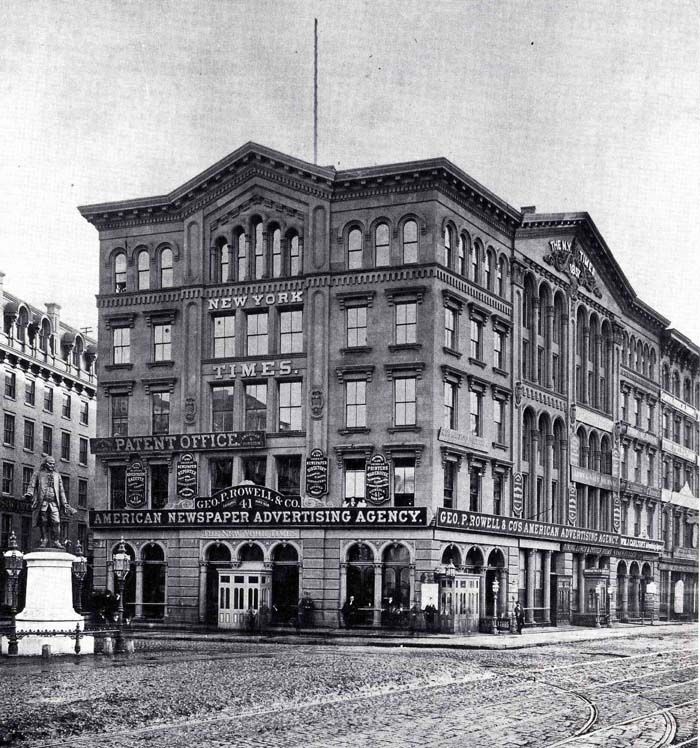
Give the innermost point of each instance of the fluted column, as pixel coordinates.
(482, 592)
(531, 562)
(503, 592)
(377, 618)
(546, 590)
(202, 591)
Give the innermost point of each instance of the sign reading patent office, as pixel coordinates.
(178, 442)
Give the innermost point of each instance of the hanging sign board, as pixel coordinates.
(316, 474)
(186, 472)
(377, 480)
(136, 484)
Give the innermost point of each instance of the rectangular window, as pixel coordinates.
(117, 486)
(65, 445)
(289, 474)
(677, 477)
(256, 406)
(540, 365)
(160, 412)
(556, 384)
(5, 529)
(291, 332)
(9, 430)
(623, 524)
(254, 469)
(355, 404)
(47, 440)
(159, 486)
(66, 486)
(449, 419)
(475, 413)
(499, 420)
(498, 494)
(222, 408)
(650, 470)
(356, 326)
(475, 336)
(667, 425)
(448, 485)
(354, 481)
(650, 418)
(636, 412)
(525, 359)
(26, 479)
(623, 465)
(404, 481)
(667, 475)
(224, 336)
(162, 345)
(688, 438)
(220, 474)
(120, 415)
(677, 430)
(48, 399)
(405, 401)
(498, 339)
(638, 467)
(29, 392)
(406, 323)
(84, 412)
(121, 345)
(8, 480)
(256, 337)
(82, 493)
(66, 407)
(290, 406)
(242, 258)
(450, 329)
(10, 384)
(474, 489)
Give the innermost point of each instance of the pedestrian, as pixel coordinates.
(349, 612)
(519, 617)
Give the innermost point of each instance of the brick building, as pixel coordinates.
(384, 383)
(48, 408)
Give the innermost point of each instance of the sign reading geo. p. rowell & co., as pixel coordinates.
(456, 519)
(247, 496)
(178, 442)
(346, 517)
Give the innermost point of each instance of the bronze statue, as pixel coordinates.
(48, 502)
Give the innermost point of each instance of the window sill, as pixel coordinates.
(114, 367)
(498, 370)
(26, 449)
(477, 362)
(278, 434)
(499, 445)
(394, 347)
(160, 364)
(354, 430)
(451, 351)
(399, 429)
(355, 349)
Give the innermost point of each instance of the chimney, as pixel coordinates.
(528, 209)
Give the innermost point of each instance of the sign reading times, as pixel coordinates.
(456, 519)
(135, 484)
(177, 518)
(247, 496)
(186, 472)
(377, 480)
(316, 474)
(178, 442)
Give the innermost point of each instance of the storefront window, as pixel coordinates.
(396, 574)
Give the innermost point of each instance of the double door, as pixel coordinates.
(242, 593)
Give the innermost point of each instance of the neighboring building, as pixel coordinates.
(428, 382)
(48, 408)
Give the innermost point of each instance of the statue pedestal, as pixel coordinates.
(49, 606)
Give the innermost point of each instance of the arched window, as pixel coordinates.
(410, 242)
(21, 324)
(153, 581)
(488, 270)
(166, 268)
(676, 384)
(461, 256)
(354, 249)
(360, 581)
(652, 363)
(45, 339)
(474, 263)
(500, 277)
(666, 378)
(143, 266)
(259, 250)
(447, 247)
(396, 576)
(276, 253)
(381, 245)
(250, 553)
(686, 390)
(452, 556)
(120, 273)
(294, 255)
(582, 448)
(241, 256)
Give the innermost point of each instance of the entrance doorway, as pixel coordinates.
(360, 584)
(218, 557)
(243, 591)
(285, 584)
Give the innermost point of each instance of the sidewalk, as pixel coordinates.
(341, 637)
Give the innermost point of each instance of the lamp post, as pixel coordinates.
(495, 587)
(14, 559)
(122, 563)
(79, 572)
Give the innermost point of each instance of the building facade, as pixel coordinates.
(384, 384)
(48, 408)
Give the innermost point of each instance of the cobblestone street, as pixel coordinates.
(639, 692)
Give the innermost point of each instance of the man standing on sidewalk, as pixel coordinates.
(519, 617)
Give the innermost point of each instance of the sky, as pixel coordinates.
(564, 105)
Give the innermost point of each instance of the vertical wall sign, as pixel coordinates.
(377, 480)
(316, 474)
(517, 494)
(136, 484)
(186, 473)
(617, 512)
(572, 505)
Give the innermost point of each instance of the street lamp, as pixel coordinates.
(121, 564)
(495, 587)
(79, 572)
(14, 560)
(450, 570)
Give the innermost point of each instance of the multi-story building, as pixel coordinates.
(383, 383)
(48, 408)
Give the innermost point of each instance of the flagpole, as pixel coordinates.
(315, 90)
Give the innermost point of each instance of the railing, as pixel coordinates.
(13, 636)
